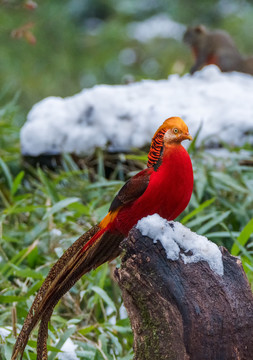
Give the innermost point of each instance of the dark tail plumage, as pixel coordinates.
(88, 252)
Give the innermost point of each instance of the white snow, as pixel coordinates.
(121, 117)
(4, 332)
(159, 25)
(55, 232)
(68, 349)
(176, 238)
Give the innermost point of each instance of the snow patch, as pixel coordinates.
(55, 232)
(68, 349)
(4, 332)
(121, 117)
(175, 237)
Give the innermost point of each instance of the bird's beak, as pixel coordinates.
(186, 136)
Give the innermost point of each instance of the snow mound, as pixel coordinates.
(121, 117)
(175, 237)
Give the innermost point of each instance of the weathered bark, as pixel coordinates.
(185, 312)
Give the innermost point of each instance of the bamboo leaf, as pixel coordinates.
(23, 209)
(17, 259)
(6, 172)
(87, 329)
(26, 273)
(104, 296)
(243, 237)
(201, 219)
(17, 182)
(49, 186)
(192, 145)
(60, 205)
(11, 298)
(229, 181)
(213, 222)
(197, 210)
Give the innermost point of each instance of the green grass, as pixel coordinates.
(43, 212)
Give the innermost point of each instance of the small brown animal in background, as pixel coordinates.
(216, 47)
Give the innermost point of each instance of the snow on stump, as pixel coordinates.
(187, 299)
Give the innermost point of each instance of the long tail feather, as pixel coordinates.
(88, 252)
(42, 336)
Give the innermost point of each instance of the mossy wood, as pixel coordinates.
(185, 312)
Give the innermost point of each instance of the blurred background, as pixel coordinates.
(57, 48)
(62, 46)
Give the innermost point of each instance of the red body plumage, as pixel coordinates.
(167, 194)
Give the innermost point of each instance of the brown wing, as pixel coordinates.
(132, 189)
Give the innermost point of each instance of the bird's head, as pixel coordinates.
(175, 130)
(172, 131)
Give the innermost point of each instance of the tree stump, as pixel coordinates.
(184, 311)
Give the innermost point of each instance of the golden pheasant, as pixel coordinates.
(164, 187)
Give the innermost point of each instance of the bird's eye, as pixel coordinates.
(175, 131)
